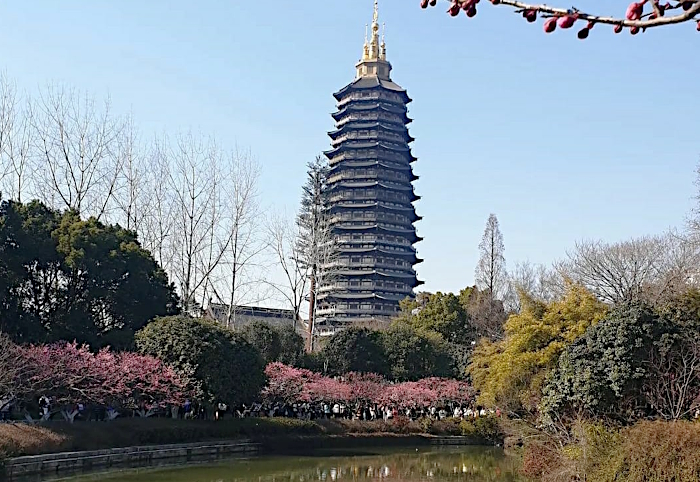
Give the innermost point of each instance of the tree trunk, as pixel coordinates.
(312, 306)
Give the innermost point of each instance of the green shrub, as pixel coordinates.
(485, 428)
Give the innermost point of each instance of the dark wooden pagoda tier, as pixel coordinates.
(371, 197)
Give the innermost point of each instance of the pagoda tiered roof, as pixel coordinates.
(402, 117)
(371, 82)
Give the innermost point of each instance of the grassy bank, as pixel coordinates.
(22, 439)
(646, 452)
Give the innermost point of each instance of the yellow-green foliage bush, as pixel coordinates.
(484, 428)
(510, 373)
(646, 452)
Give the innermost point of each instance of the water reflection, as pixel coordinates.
(473, 464)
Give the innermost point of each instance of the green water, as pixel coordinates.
(473, 464)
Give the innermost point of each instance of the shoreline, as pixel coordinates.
(75, 463)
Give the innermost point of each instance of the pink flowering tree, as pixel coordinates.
(449, 391)
(144, 383)
(638, 16)
(291, 385)
(11, 370)
(326, 389)
(409, 394)
(286, 384)
(70, 374)
(365, 387)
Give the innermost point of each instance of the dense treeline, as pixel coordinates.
(65, 278)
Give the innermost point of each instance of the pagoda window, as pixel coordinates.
(353, 307)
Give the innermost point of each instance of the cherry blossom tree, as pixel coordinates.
(70, 374)
(365, 387)
(413, 394)
(292, 385)
(639, 15)
(285, 383)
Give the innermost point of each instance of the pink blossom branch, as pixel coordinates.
(634, 19)
(647, 23)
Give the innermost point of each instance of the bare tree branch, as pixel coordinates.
(635, 18)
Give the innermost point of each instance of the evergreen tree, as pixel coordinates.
(316, 244)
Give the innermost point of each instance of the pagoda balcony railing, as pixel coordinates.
(370, 175)
(371, 136)
(370, 203)
(398, 250)
(370, 224)
(364, 269)
(362, 266)
(371, 311)
(371, 117)
(366, 289)
(384, 220)
(387, 157)
(385, 183)
(389, 97)
(326, 311)
(387, 160)
(400, 201)
(370, 238)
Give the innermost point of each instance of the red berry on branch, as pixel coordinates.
(424, 4)
(687, 5)
(698, 26)
(471, 12)
(530, 15)
(433, 3)
(618, 28)
(634, 30)
(653, 16)
(590, 25)
(454, 9)
(495, 2)
(550, 25)
(568, 21)
(635, 11)
(583, 33)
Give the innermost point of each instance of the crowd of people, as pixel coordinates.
(311, 411)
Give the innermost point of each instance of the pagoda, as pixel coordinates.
(370, 197)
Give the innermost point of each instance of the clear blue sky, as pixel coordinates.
(562, 139)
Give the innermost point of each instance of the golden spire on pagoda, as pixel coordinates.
(374, 44)
(374, 61)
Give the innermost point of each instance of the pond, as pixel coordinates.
(473, 464)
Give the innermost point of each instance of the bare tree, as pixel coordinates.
(649, 268)
(491, 275)
(157, 230)
(134, 189)
(195, 179)
(283, 242)
(15, 141)
(673, 384)
(535, 281)
(243, 229)
(639, 16)
(76, 146)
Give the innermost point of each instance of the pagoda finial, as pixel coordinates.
(374, 43)
(382, 52)
(373, 62)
